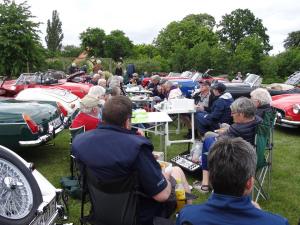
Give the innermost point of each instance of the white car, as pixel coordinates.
(68, 103)
(26, 196)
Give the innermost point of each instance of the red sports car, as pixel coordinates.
(10, 88)
(288, 109)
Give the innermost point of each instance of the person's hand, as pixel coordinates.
(140, 132)
(256, 205)
(199, 108)
(221, 130)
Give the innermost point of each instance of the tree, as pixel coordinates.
(239, 24)
(117, 45)
(145, 50)
(93, 40)
(202, 19)
(54, 35)
(185, 33)
(248, 54)
(71, 51)
(20, 47)
(293, 40)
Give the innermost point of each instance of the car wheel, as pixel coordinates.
(20, 194)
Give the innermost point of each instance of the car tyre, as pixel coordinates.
(17, 180)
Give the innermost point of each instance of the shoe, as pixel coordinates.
(202, 188)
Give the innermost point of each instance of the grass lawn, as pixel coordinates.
(53, 162)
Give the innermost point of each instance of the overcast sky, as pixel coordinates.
(142, 20)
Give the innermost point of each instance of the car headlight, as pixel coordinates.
(296, 108)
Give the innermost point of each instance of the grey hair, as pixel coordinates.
(97, 91)
(245, 106)
(156, 77)
(231, 162)
(169, 83)
(101, 81)
(261, 95)
(114, 81)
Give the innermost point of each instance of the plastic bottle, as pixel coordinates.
(180, 195)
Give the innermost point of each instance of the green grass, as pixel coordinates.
(53, 162)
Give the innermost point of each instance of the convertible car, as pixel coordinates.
(26, 196)
(244, 88)
(10, 88)
(292, 85)
(27, 124)
(288, 109)
(67, 102)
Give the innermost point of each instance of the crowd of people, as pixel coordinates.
(111, 148)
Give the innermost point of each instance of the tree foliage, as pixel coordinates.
(293, 40)
(186, 33)
(54, 32)
(241, 23)
(202, 19)
(145, 51)
(20, 48)
(93, 40)
(71, 51)
(117, 45)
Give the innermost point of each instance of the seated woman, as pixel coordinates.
(245, 121)
(262, 101)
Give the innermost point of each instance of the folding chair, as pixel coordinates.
(264, 151)
(73, 133)
(113, 202)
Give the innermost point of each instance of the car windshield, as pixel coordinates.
(294, 79)
(187, 74)
(173, 74)
(28, 78)
(253, 80)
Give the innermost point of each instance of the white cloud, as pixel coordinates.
(142, 20)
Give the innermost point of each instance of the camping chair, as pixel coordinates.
(73, 133)
(264, 152)
(113, 202)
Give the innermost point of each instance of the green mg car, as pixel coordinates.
(28, 123)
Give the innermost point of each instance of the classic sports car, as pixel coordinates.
(26, 124)
(292, 85)
(288, 109)
(67, 102)
(26, 196)
(244, 88)
(10, 88)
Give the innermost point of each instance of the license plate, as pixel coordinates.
(55, 123)
(48, 214)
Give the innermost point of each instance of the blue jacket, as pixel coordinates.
(220, 110)
(225, 210)
(113, 152)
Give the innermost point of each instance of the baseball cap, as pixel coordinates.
(219, 86)
(89, 101)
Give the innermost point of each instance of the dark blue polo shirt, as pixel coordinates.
(225, 210)
(113, 152)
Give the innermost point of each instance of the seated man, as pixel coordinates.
(135, 81)
(220, 111)
(232, 165)
(202, 99)
(114, 151)
(89, 112)
(245, 122)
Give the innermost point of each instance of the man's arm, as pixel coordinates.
(152, 180)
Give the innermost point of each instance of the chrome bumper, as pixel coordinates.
(42, 139)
